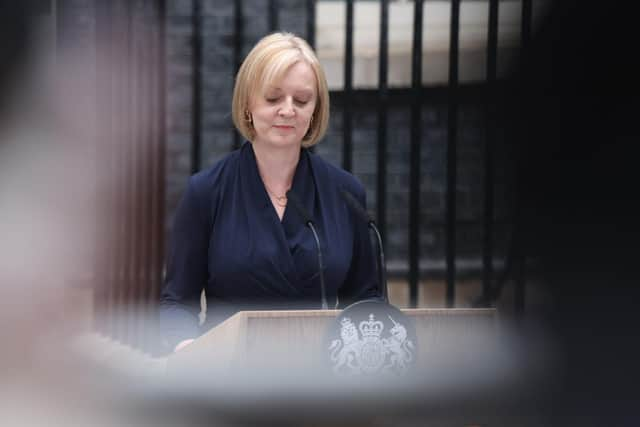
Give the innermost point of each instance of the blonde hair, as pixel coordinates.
(266, 64)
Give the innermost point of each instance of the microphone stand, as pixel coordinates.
(309, 223)
(359, 210)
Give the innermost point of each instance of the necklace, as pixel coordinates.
(280, 200)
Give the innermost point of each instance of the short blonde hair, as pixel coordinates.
(266, 64)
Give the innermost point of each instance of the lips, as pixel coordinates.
(283, 126)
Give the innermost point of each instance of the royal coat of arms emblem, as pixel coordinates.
(375, 346)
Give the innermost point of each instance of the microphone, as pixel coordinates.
(362, 213)
(291, 196)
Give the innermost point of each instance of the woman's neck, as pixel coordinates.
(276, 167)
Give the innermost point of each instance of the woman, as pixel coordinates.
(235, 234)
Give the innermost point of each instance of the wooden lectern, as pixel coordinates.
(294, 338)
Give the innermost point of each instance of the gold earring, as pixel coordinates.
(248, 117)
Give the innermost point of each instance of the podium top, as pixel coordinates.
(264, 335)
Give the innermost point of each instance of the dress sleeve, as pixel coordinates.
(362, 279)
(187, 270)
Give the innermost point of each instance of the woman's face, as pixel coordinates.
(282, 114)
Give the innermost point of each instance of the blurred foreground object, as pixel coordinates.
(51, 237)
(269, 367)
(571, 109)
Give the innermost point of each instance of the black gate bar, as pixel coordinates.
(238, 36)
(414, 192)
(347, 162)
(519, 291)
(450, 241)
(311, 23)
(196, 111)
(383, 95)
(273, 15)
(487, 250)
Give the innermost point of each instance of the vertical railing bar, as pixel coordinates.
(311, 34)
(347, 162)
(383, 94)
(452, 154)
(273, 15)
(520, 290)
(311, 23)
(238, 35)
(196, 106)
(492, 42)
(414, 172)
(487, 250)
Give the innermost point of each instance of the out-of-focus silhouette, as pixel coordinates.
(571, 106)
(48, 223)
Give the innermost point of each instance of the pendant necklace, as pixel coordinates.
(280, 200)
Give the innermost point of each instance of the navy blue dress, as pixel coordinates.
(228, 240)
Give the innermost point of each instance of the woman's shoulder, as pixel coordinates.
(206, 180)
(337, 176)
(204, 188)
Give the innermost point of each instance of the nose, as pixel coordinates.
(287, 108)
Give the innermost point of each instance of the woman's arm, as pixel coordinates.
(187, 271)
